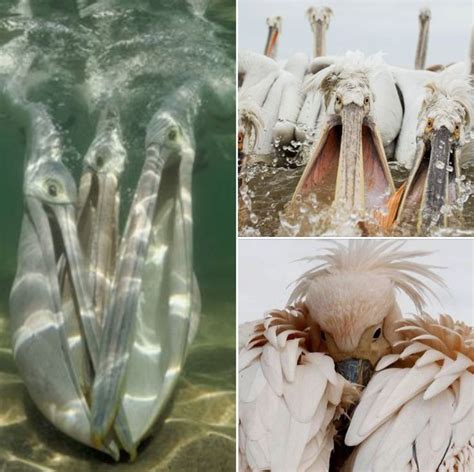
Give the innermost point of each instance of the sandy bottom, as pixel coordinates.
(197, 434)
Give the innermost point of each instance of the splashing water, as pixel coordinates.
(267, 191)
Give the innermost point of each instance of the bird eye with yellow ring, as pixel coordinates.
(429, 124)
(457, 132)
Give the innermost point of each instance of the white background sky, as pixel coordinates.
(368, 25)
(266, 268)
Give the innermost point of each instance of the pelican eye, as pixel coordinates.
(377, 333)
(100, 161)
(366, 100)
(323, 335)
(338, 100)
(429, 124)
(172, 134)
(52, 190)
(241, 137)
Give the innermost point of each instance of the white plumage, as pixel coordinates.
(417, 411)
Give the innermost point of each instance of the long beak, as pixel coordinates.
(117, 335)
(437, 182)
(102, 204)
(271, 42)
(350, 175)
(357, 371)
(66, 218)
(320, 44)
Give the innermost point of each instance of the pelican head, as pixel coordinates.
(274, 30)
(351, 298)
(444, 126)
(319, 19)
(168, 136)
(348, 166)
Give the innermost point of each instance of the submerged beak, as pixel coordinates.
(99, 192)
(357, 371)
(431, 183)
(65, 216)
(348, 166)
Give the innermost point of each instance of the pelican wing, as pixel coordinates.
(419, 415)
(288, 398)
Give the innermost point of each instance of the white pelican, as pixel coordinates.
(274, 31)
(319, 19)
(305, 367)
(257, 74)
(291, 98)
(422, 46)
(360, 119)
(436, 128)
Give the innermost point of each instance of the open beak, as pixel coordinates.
(65, 216)
(117, 334)
(356, 371)
(98, 194)
(432, 182)
(271, 41)
(348, 166)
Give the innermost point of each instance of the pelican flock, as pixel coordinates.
(341, 380)
(347, 121)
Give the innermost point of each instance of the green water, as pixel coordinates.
(135, 54)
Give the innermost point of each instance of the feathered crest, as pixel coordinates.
(449, 85)
(385, 259)
(354, 66)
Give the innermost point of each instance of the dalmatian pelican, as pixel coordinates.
(424, 18)
(319, 19)
(309, 398)
(274, 31)
(359, 122)
(436, 130)
(269, 95)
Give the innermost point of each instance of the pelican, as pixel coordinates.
(274, 30)
(154, 292)
(361, 120)
(319, 19)
(306, 375)
(436, 128)
(422, 46)
(257, 75)
(41, 345)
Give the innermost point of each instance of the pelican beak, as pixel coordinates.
(117, 335)
(271, 41)
(432, 181)
(356, 371)
(99, 200)
(348, 166)
(65, 216)
(56, 224)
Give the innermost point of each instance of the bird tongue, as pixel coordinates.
(358, 371)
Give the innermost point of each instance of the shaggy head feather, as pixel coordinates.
(354, 287)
